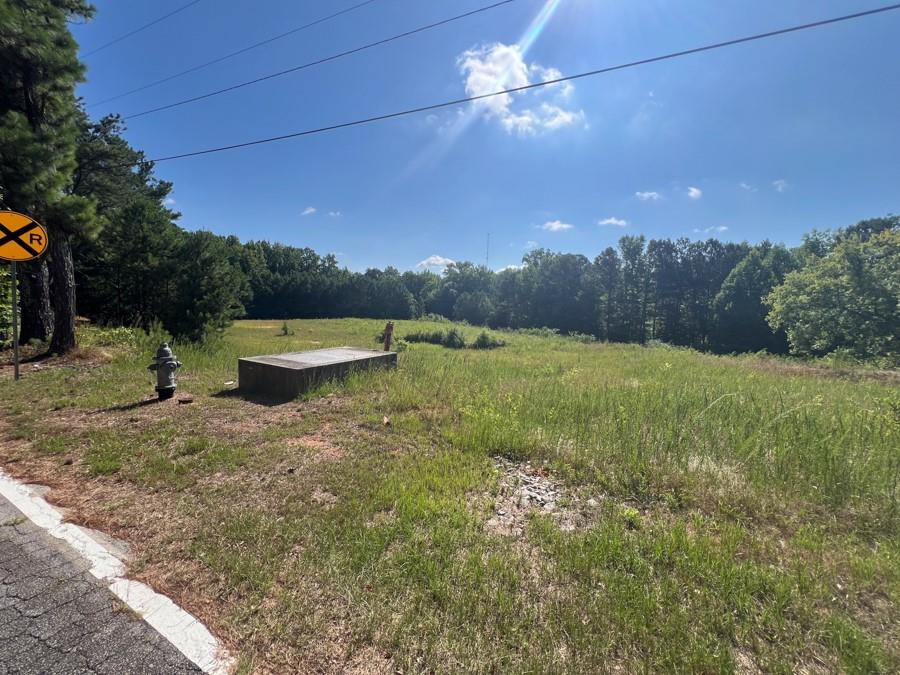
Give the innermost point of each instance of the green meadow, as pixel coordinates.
(714, 514)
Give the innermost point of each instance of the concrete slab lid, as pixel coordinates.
(318, 357)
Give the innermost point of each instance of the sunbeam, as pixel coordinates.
(538, 24)
(453, 131)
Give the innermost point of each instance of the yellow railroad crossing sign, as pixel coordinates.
(21, 237)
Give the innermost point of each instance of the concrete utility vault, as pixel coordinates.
(286, 376)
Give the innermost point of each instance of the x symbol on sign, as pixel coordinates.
(17, 236)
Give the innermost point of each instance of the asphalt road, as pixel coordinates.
(55, 617)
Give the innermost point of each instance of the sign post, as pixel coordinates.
(21, 239)
(15, 321)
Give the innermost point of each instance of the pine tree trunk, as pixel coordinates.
(62, 275)
(34, 302)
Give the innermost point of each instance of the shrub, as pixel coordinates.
(431, 337)
(454, 339)
(485, 341)
(434, 318)
(102, 336)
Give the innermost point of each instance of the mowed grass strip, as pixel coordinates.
(745, 511)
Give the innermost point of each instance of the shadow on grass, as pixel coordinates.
(258, 399)
(130, 406)
(26, 355)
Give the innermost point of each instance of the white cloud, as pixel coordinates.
(335, 214)
(169, 201)
(492, 68)
(547, 117)
(710, 230)
(510, 267)
(435, 261)
(780, 185)
(529, 245)
(564, 89)
(556, 226)
(648, 196)
(747, 187)
(308, 211)
(694, 193)
(615, 222)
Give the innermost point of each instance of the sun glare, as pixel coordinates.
(455, 129)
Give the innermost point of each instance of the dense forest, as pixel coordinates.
(115, 239)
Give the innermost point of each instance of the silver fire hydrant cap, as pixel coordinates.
(164, 352)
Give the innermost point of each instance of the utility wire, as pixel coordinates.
(138, 30)
(201, 66)
(536, 85)
(318, 62)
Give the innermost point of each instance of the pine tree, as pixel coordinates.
(39, 69)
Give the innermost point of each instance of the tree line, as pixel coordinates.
(837, 291)
(116, 240)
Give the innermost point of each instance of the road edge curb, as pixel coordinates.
(182, 629)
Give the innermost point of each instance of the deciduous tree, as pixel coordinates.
(849, 299)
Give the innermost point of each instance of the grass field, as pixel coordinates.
(712, 514)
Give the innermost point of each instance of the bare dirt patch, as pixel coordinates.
(319, 443)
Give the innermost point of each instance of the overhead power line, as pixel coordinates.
(319, 62)
(243, 50)
(138, 30)
(527, 87)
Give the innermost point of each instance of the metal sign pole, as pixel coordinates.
(15, 322)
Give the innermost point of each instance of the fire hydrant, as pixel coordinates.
(165, 367)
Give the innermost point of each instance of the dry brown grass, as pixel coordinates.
(159, 525)
(801, 369)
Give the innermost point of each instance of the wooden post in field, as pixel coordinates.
(388, 335)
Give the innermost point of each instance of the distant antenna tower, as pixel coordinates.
(487, 254)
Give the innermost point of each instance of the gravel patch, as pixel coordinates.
(528, 488)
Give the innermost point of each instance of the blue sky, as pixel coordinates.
(766, 140)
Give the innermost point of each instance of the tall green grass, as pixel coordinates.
(633, 418)
(747, 508)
